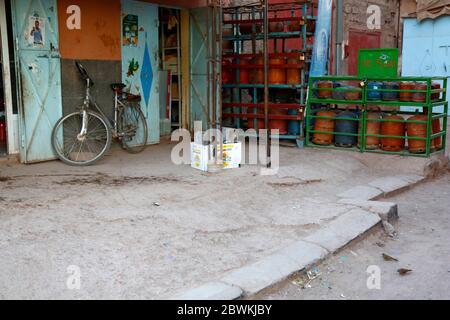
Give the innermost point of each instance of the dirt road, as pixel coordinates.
(422, 244)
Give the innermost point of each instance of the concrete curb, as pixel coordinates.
(298, 256)
(365, 215)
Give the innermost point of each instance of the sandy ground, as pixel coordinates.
(422, 245)
(139, 227)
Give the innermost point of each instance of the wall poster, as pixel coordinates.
(130, 30)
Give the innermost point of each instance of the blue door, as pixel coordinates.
(140, 59)
(38, 64)
(426, 49)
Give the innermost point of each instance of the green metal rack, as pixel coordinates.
(315, 104)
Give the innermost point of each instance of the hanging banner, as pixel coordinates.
(322, 39)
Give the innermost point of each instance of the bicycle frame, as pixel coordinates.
(88, 101)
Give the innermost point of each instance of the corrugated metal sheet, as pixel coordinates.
(432, 9)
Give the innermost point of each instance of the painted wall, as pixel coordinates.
(97, 45)
(99, 37)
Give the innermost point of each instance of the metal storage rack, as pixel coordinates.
(363, 105)
(254, 15)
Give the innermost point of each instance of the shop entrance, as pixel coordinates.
(8, 97)
(169, 30)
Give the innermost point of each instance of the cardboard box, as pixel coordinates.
(199, 156)
(232, 155)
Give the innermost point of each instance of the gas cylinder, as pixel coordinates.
(436, 143)
(406, 96)
(373, 92)
(293, 75)
(437, 95)
(257, 74)
(248, 28)
(417, 130)
(346, 126)
(243, 72)
(280, 125)
(390, 95)
(325, 94)
(324, 125)
(277, 75)
(372, 127)
(393, 129)
(436, 128)
(276, 27)
(293, 125)
(2, 131)
(227, 45)
(420, 96)
(227, 75)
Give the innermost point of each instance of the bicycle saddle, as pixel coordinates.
(84, 73)
(133, 97)
(117, 87)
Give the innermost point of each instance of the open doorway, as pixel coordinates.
(171, 74)
(8, 97)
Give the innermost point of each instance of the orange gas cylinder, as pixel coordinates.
(437, 95)
(259, 124)
(257, 74)
(393, 129)
(325, 94)
(420, 96)
(436, 127)
(277, 75)
(276, 124)
(406, 96)
(227, 75)
(437, 143)
(244, 74)
(276, 27)
(372, 127)
(417, 130)
(293, 75)
(227, 45)
(324, 125)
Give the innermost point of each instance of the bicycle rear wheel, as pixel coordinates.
(75, 150)
(133, 128)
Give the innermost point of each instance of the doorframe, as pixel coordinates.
(7, 80)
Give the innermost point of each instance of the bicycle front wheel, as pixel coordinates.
(133, 128)
(81, 150)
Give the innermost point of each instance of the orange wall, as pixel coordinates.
(99, 37)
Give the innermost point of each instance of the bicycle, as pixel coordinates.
(84, 137)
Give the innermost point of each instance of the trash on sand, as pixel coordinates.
(304, 281)
(313, 273)
(326, 285)
(156, 204)
(343, 259)
(380, 244)
(387, 257)
(353, 253)
(342, 296)
(403, 271)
